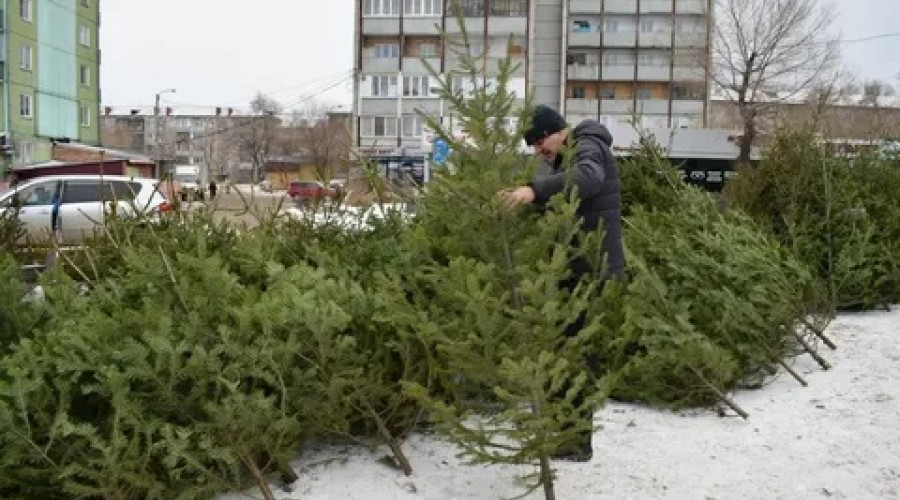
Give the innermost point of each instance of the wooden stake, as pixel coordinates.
(818, 333)
(812, 352)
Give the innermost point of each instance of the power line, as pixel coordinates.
(328, 77)
(254, 119)
(870, 38)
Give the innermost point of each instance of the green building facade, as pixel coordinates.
(51, 71)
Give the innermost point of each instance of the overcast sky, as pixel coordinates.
(221, 52)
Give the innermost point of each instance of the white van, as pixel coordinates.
(80, 202)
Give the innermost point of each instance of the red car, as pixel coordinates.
(304, 191)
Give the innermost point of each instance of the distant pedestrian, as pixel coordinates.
(212, 189)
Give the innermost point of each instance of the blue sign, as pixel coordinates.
(440, 151)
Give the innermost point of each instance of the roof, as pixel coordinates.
(710, 144)
(57, 163)
(176, 110)
(112, 154)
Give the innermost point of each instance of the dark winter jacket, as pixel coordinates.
(596, 175)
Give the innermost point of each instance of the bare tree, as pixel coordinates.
(769, 51)
(257, 133)
(325, 138)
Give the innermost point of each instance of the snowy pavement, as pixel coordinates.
(838, 438)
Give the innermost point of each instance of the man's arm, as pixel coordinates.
(586, 173)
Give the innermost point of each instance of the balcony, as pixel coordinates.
(689, 73)
(696, 40)
(690, 7)
(518, 65)
(583, 72)
(585, 7)
(621, 6)
(380, 64)
(656, 6)
(653, 106)
(380, 25)
(653, 72)
(656, 39)
(582, 107)
(616, 106)
(622, 39)
(618, 72)
(584, 39)
(416, 65)
(504, 25)
(421, 25)
(687, 107)
(472, 24)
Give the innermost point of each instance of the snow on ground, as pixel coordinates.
(838, 438)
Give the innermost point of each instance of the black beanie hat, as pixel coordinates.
(544, 121)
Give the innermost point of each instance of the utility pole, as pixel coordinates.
(156, 141)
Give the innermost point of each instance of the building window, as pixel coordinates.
(25, 10)
(386, 51)
(422, 7)
(86, 3)
(578, 92)
(84, 35)
(415, 86)
(611, 26)
(84, 75)
(25, 57)
(412, 126)
(644, 93)
(26, 152)
(380, 126)
(384, 86)
(381, 7)
(427, 50)
(607, 93)
(646, 26)
(25, 106)
(687, 91)
(469, 8)
(85, 116)
(577, 59)
(509, 8)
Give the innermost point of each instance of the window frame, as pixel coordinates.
(26, 57)
(84, 75)
(384, 86)
(416, 86)
(84, 35)
(26, 10)
(26, 103)
(84, 115)
(381, 8)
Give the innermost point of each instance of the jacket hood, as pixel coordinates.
(594, 128)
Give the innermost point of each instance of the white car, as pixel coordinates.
(80, 203)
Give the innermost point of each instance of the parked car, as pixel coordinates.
(308, 191)
(80, 202)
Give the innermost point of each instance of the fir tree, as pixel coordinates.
(514, 388)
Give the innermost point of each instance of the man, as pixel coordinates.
(594, 173)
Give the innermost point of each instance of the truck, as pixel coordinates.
(191, 181)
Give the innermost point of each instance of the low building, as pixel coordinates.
(72, 158)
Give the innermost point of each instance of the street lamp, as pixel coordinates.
(156, 124)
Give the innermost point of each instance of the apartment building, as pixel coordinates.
(613, 60)
(49, 64)
(203, 135)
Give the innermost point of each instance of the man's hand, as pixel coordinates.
(517, 196)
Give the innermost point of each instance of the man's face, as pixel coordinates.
(550, 145)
